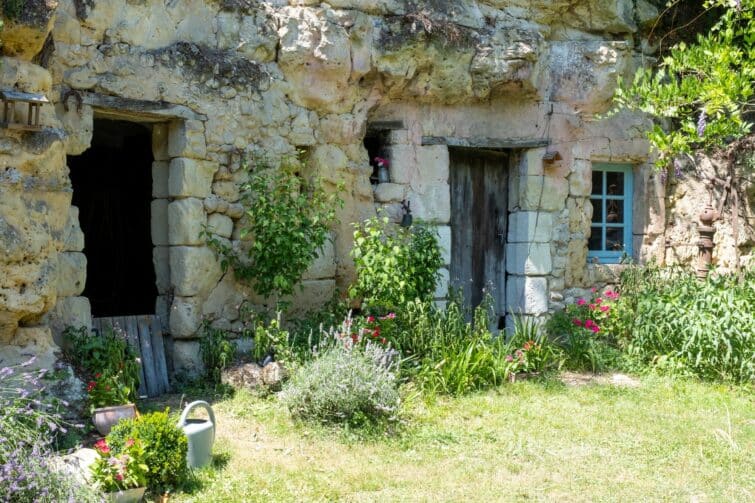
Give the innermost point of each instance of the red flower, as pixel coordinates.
(598, 300)
(605, 308)
(376, 332)
(577, 322)
(91, 385)
(370, 319)
(354, 338)
(101, 446)
(528, 345)
(118, 476)
(97, 375)
(383, 341)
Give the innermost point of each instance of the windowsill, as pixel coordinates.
(601, 272)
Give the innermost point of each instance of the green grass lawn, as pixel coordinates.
(531, 441)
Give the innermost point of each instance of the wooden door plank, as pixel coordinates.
(148, 360)
(129, 325)
(158, 349)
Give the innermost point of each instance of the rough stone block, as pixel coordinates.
(433, 205)
(227, 190)
(160, 171)
(159, 224)
(528, 258)
(194, 270)
(185, 316)
(526, 295)
(531, 162)
(390, 192)
(444, 242)
(542, 193)
(225, 299)
(186, 220)
(580, 180)
(433, 164)
(72, 273)
(73, 236)
(160, 134)
(68, 312)
(530, 226)
(324, 266)
(441, 287)
(190, 177)
(403, 163)
(312, 295)
(187, 359)
(186, 139)
(220, 224)
(161, 262)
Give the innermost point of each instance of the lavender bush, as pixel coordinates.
(344, 384)
(29, 422)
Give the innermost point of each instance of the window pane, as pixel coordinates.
(597, 182)
(615, 239)
(597, 211)
(614, 211)
(615, 183)
(594, 243)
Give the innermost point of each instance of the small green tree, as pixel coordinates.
(287, 220)
(700, 93)
(394, 265)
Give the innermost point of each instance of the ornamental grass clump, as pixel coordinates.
(29, 423)
(345, 383)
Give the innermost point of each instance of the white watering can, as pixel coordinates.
(201, 434)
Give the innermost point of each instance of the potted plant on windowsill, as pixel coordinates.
(110, 401)
(122, 476)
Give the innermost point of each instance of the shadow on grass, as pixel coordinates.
(204, 477)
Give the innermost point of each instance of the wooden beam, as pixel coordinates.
(146, 111)
(486, 143)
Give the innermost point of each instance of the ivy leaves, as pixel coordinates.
(702, 90)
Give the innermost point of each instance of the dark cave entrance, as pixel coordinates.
(112, 187)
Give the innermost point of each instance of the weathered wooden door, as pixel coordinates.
(479, 214)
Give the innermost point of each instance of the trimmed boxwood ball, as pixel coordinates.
(165, 447)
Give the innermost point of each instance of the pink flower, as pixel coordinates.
(612, 295)
(581, 302)
(592, 306)
(589, 324)
(129, 442)
(593, 289)
(509, 358)
(595, 329)
(577, 322)
(101, 446)
(380, 161)
(119, 476)
(388, 316)
(598, 300)
(605, 308)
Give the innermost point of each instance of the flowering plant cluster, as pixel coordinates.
(121, 471)
(105, 390)
(363, 331)
(590, 314)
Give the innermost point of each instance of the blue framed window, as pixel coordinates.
(611, 198)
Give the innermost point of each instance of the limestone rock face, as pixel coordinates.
(25, 27)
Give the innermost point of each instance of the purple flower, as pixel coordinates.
(678, 168)
(701, 123)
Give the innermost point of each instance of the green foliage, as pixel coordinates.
(671, 320)
(216, 349)
(344, 385)
(394, 265)
(12, 9)
(125, 470)
(446, 353)
(536, 352)
(580, 330)
(105, 357)
(270, 338)
(165, 447)
(105, 390)
(704, 89)
(287, 222)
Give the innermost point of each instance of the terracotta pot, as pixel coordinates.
(106, 417)
(126, 496)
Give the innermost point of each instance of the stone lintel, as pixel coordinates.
(482, 142)
(138, 110)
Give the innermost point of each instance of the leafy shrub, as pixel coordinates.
(106, 356)
(287, 222)
(126, 470)
(106, 390)
(580, 330)
(394, 265)
(445, 352)
(536, 352)
(164, 443)
(29, 423)
(344, 384)
(668, 317)
(216, 349)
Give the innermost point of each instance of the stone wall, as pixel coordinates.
(219, 79)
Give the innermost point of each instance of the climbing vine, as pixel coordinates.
(701, 93)
(287, 220)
